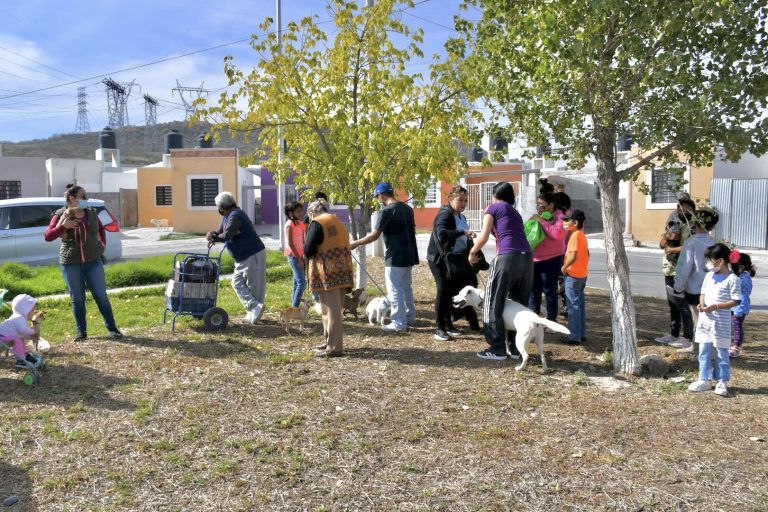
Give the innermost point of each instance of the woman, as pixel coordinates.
(83, 240)
(511, 270)
(330, 273)
(295, 230)
(548, 255)
(451, 234)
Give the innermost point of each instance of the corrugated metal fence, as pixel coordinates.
(743, 209)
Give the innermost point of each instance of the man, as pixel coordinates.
(330, 273)
(397, 224)
(250, 277)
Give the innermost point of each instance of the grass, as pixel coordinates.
(246, 419)
(179, 236)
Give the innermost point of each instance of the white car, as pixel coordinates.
(23, 222)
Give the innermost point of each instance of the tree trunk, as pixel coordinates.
(623, 314)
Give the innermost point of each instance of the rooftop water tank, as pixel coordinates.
(107, 139)
(625, 142)
(204, 140)
(173, 140)
(477, 154)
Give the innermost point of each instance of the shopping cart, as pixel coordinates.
(193, 289)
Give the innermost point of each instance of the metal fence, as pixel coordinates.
(743, 209)
(479, 196)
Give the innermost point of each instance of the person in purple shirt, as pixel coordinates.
(511, 272)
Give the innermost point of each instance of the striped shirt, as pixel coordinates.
(715, 327)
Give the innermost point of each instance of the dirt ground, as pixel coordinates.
(247, 419)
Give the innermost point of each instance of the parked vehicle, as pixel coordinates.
(23, 222)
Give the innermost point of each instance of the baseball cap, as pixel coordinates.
(576, 215)
(383, 188)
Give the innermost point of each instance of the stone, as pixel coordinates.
(654, 364)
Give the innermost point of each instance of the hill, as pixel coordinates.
(136, 148)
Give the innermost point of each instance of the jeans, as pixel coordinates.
(250, 282)
(77, 276)
(400, 295)
(577, 311)
(299, 279)
(722, 367)
(545, 276)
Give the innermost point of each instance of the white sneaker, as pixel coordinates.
(700, 385)
(665, 340)
(392, 328)
(721, 388)
(680, 343)
(249, 318)
(257, 311)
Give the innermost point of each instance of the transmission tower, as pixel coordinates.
(117, 98)
(192, 93)
(150, 121)
(82, 125)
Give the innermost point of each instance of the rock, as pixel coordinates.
(654, 364)
(10, 500)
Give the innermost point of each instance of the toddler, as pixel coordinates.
(720, 291)
(16, 329)
(742, 266)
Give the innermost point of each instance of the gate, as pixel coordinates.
(479, 197)
(743, 209)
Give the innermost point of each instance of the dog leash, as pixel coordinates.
(369, 275)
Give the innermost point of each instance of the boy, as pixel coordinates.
(575, 271)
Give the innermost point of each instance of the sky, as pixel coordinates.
(49, 48)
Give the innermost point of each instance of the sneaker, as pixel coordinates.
(680, 343)
(691, 350)
(412, 323)
(249, 318)
(115, 334)
(665, 340)
(326, 354)
(700, 385)
(454, 331)
(490, 355)
(257, 311)
(514, 356)
(721, 388)
(393, 328)
(443, 336)
(81, 336)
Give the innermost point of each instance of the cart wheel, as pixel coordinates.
(215, 319)
(36, 376)
(28, 379)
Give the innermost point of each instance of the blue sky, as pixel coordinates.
(46, 43)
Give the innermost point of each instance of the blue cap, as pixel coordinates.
(383, 188)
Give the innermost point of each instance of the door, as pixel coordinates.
(30, 223)
(7, 240)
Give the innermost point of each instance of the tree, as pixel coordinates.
(350, 112)
(681, 76)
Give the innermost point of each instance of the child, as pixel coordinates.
(742, 266)
(295, 232)
(720, 291)
(575, 271)
(15, 330)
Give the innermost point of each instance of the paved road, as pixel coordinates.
(644, 264)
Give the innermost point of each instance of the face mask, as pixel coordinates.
(381, 204)
(572, 228)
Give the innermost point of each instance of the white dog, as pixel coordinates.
(529, 325)
(160, 224)
(377, 310)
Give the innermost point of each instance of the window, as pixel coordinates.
(163, 195)
(432, 197)
(664, 184)
(5, 218)
(202, 190)
(34, 216)
(10, 189)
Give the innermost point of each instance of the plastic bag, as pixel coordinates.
(534, 232)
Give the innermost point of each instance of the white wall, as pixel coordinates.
(749, 166)
(62, 171)
(113, 181)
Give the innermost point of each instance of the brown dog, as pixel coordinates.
(37, 319)
(299, 313)
(352, 301)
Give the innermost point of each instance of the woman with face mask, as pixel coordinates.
(83, 240)
(548, 256)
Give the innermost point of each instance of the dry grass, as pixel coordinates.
(248, 420)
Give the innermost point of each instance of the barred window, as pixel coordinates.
(204, 191)
(163, 195)
(10, 189)
(664, 184)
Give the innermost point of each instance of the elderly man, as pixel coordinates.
(245, 246)
(330, 273)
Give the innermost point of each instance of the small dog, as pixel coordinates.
(70, 214)
(352, 301)
(160, 224)
(37, 342)
(529, 325)
(378, 309)
(299, 313)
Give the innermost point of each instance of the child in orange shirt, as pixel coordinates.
(575, 271)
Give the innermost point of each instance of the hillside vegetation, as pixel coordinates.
(136, 148)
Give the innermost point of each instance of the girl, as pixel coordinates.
(295, 231)
(742, 266)
(720, 291)
(16, 329)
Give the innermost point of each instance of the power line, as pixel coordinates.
(36, 62)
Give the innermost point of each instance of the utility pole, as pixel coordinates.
(280, 141)
(82, 125)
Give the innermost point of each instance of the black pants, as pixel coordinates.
(445, 290)
(680, 318)
(510, 276)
